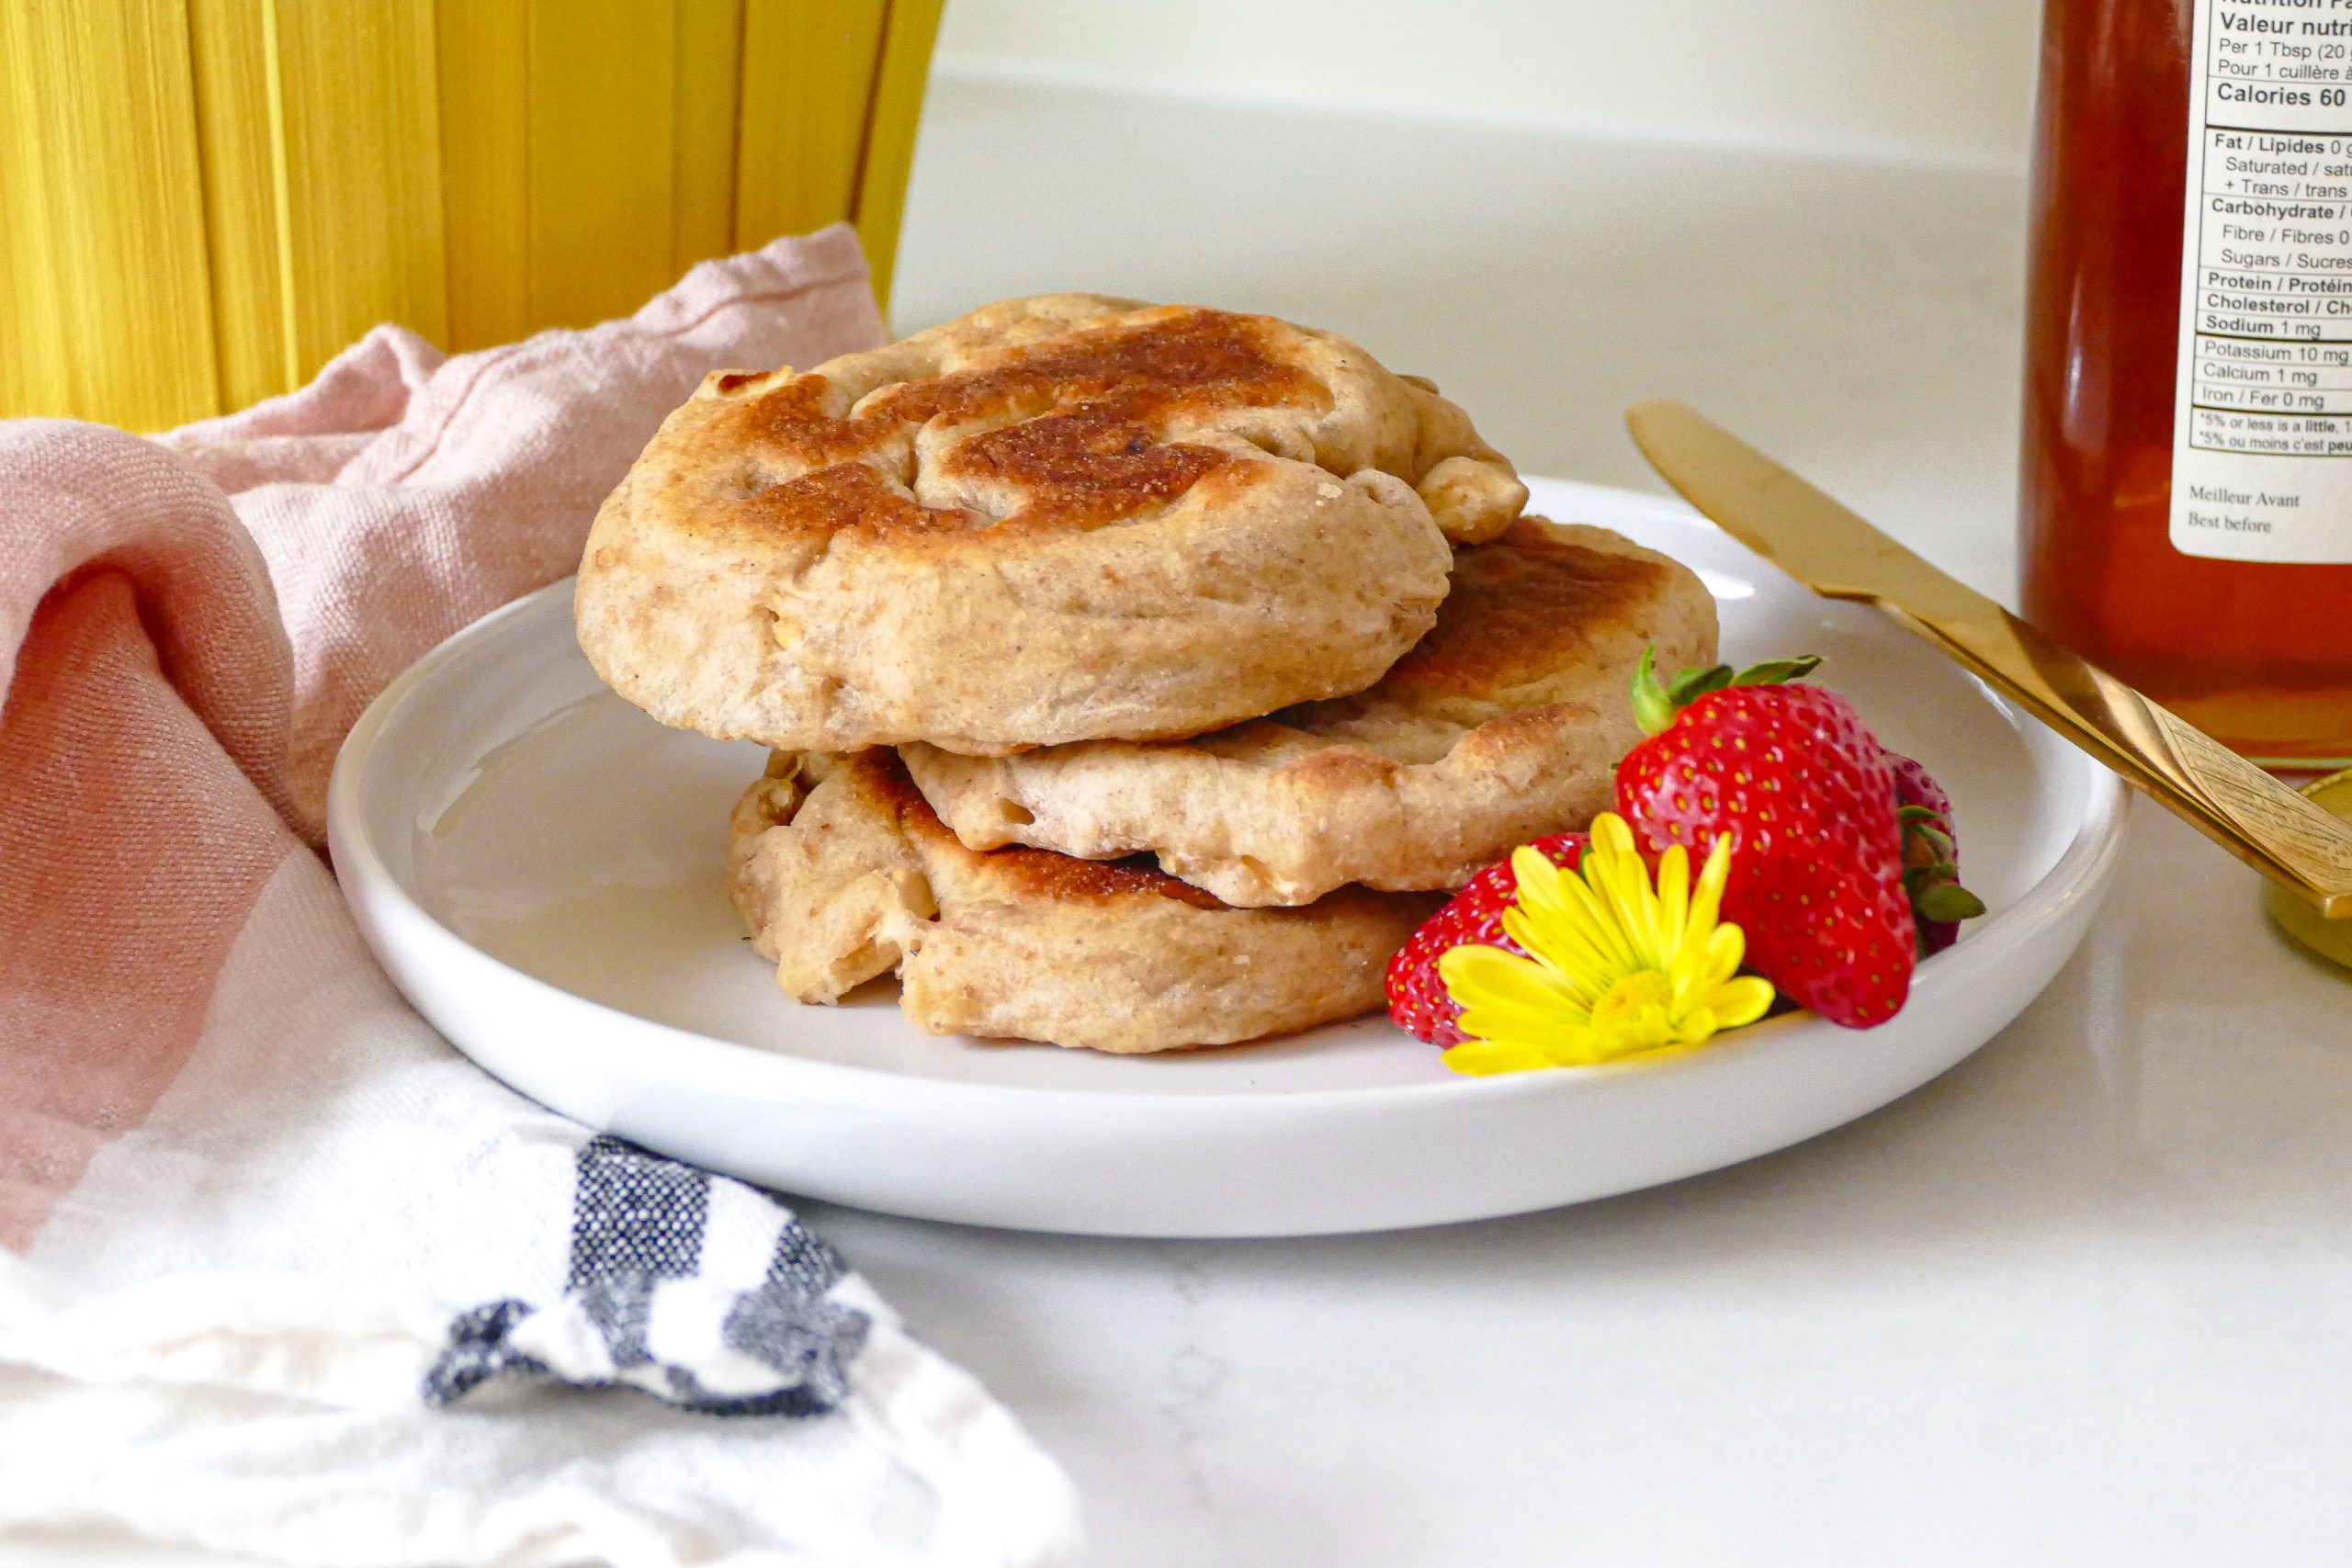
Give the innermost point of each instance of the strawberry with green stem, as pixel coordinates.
(1807, 795)
(1930, 856)
(1925, 868)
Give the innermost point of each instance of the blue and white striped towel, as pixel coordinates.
(701, 1292)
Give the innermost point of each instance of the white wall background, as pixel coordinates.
(1948, 81)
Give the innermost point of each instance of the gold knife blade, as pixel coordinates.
(1833, 551)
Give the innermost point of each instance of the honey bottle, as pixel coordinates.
(2186, 465)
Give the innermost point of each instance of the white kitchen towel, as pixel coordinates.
(280, 1273)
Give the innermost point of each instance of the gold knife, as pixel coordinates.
(2283, 835)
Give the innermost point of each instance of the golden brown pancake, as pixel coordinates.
(842, 872)
(1505, 723)
(1055, 519)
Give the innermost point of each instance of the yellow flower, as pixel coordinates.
(1617, 967)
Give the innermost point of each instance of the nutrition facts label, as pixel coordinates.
(2262, 445)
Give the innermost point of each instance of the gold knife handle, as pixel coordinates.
(2278, 832)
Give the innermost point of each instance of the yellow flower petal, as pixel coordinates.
(1708, 901)
(1587, 907)
(1720, 952)
(1674, 897)
(1489, 973)
(1741, 1001)
(1610, 834)
(1485, 1057)
(1564, 948)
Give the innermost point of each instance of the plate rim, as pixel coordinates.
(376, 893)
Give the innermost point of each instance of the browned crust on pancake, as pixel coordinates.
(1505, 723)
(1520, 608)
(1035, 873)
(1054, 519)
(842, 874)
(1072, 428)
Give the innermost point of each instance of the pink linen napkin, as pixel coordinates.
(252, 1212)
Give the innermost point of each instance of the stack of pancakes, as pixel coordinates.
(1137, 677)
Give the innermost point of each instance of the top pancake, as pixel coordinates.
(1506, 722)
(1059, 518)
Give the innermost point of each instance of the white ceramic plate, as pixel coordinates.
(537, 864)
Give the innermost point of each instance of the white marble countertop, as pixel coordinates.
(2083, 1300)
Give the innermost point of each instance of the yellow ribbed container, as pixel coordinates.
(202, 200)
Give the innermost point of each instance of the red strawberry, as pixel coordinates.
(1930, 856)
(1417, 999)
(1804, 792)
(1914, 785)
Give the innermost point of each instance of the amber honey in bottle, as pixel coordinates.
(2187, 505)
